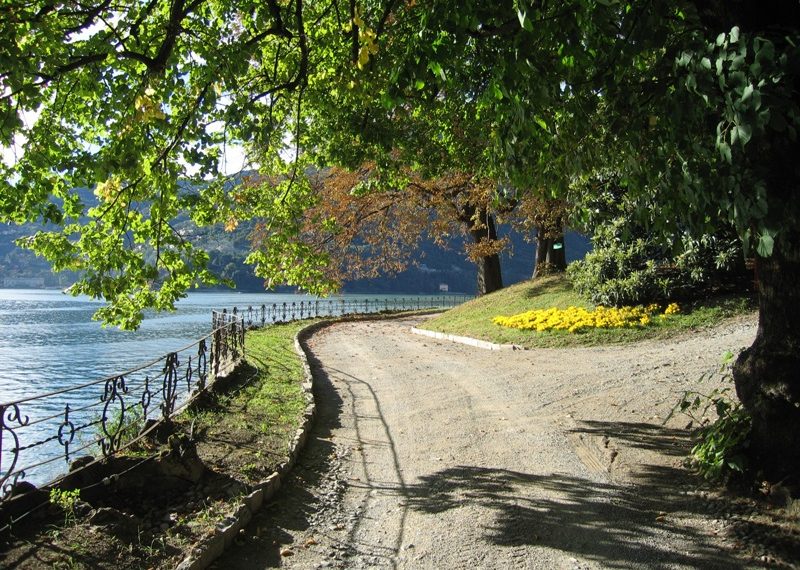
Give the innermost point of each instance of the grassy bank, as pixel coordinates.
(246, 428)
(474, 319)
(241, 430)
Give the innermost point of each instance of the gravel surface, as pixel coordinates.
(431, 454)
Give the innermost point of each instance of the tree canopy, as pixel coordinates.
(692, 104)
(138, 99)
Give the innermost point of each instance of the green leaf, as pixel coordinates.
(725, 151)
(524, 21)
(747, 93)
(765, 244)
(496, 92)
(745, 133)
(437, 69)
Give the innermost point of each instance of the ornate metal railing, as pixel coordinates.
(314, 308)
(41, 435)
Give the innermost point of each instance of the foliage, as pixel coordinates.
(628, 266)
(370, 221)
(124, 426)
(579, 319)
(721, 443)
(540, 218)
(66, 501)
(130, 100)
(543, 220)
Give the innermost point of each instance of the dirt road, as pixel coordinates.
(430, 454)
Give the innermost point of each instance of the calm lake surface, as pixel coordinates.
(48, 341)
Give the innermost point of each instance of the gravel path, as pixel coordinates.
(430, 454)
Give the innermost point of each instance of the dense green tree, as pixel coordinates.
(693, 103)
(131, 99)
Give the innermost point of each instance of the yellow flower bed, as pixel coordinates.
(577, 319)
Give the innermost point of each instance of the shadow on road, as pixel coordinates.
(651, 437)
(614, 525)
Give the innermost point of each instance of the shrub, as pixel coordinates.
(721, 447)
(632, 270)
(66, 500)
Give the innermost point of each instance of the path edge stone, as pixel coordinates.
(484, 344)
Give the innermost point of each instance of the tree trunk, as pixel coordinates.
(551, 255)
(767, 375)
(490, 277)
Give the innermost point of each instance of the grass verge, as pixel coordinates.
(245, 429)
(474, 318)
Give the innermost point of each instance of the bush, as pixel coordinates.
(625, 269)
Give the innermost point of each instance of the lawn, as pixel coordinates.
(474, 318)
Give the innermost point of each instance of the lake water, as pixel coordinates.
(48, 342)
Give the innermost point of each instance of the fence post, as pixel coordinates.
(170, 385)
(216, 339)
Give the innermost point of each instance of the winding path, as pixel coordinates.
(429, 454)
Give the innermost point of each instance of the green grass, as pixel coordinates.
(271, 350)
(249, 419)
(474, 318)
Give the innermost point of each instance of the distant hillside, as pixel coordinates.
(450, 267)
(435, 266)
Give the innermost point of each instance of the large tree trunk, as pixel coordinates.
(767, 375)
(551, 256)
(490, 277)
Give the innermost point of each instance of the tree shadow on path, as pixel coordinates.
(615, 525)
(640, 435)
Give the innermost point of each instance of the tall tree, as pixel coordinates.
(361, 227)
(544, 219)
(694, 103)
(132, 99)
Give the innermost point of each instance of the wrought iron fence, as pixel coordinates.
(41, 435)
(286, 312)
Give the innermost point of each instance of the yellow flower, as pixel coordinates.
(576, 319)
